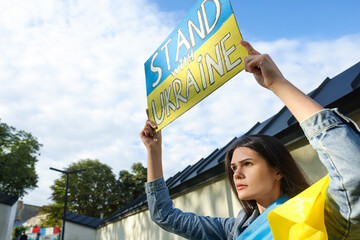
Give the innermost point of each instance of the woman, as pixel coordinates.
(261, 183)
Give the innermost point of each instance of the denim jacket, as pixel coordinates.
(336, 139)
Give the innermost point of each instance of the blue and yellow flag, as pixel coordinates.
(201, 54)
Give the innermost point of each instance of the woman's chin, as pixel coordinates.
(244, 198)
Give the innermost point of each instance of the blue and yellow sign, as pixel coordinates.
(201, 54)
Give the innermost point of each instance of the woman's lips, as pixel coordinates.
(240, 186)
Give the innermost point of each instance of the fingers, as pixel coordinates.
(249, 48)
(147, 113)
(252, 64)
(151, 123)
(148, 129)
(146, 132)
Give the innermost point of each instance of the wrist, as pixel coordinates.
(279, 84)
(153, 149)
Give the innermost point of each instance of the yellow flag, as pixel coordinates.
(301, 217)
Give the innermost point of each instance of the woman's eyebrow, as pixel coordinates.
(240, 161)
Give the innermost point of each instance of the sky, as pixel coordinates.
(72, 74)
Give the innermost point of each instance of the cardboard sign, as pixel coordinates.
(201, 54)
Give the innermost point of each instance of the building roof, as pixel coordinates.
(26, 211)
(86, 221)
(342, 91)
(7, 199)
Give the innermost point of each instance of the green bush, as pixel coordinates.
(17, 232)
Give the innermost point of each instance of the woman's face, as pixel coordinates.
(254, 179)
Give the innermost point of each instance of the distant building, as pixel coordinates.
(26, 211)
(34, 221)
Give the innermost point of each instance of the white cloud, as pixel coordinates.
(72, 74)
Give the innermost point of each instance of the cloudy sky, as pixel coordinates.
(72, 74)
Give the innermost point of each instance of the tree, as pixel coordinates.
(94, 191)
(18, 154)
(54, 212)
(90, 192)
(131, 185)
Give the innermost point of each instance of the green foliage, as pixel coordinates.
(54, 213)
(17, 232)
(131, 185)
(18, 154)
(94, 191)
(89, 192)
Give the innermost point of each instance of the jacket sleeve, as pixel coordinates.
(336, 138)
(187, 225)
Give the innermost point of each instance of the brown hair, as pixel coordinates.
(277, 156)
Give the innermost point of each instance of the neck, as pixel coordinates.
(265, 203)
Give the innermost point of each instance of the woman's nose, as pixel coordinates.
(238, 174)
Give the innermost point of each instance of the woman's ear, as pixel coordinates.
(278, 174)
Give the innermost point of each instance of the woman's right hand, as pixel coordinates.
(150, 139)
(152, 142)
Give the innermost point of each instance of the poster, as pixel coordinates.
(200, 55)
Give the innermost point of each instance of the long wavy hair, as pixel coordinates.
(277, 156)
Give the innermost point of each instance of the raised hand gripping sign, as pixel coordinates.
(201, 54)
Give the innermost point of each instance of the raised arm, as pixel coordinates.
(162, 212)
(335, 137)
(269, 76)
(152, 142)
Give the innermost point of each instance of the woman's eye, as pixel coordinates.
(233, 169)
(247, 164)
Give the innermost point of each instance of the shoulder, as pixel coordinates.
(242, 222)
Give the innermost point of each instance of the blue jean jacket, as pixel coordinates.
(336, 139)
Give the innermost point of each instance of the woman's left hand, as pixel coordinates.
(262, 66)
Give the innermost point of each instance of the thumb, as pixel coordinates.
(147, 113)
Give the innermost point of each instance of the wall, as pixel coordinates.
(75, 231)
(213, 198)
(7, 220)
(307, 159)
